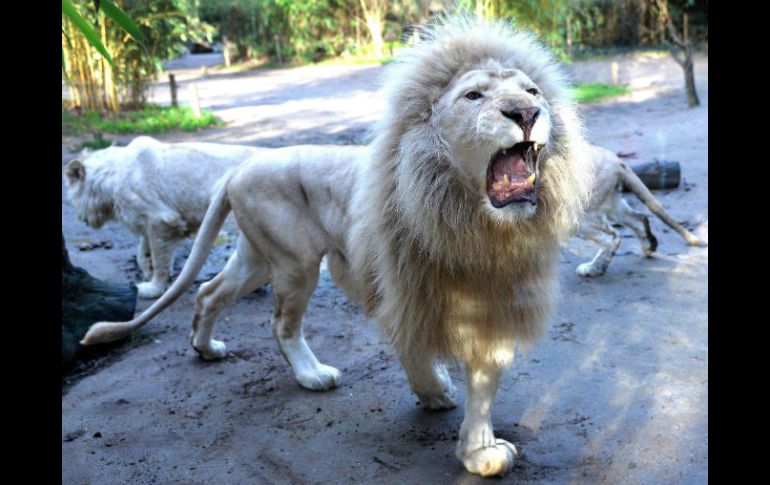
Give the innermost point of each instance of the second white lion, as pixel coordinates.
(160, 191)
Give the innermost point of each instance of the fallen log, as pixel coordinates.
(658, 174)
(86, 300)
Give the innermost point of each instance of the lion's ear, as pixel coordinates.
(75, 171)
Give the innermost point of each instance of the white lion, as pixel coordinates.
(159, 191)
(447, 227)
(607, 207)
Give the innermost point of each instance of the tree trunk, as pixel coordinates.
(374, 12)
(359, 51)
(375, 29)
(689, 75)
(683, 58)
(689, 83)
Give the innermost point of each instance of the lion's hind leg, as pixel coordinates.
(598, 230)
(244, 272)
(143, 258)
(293, 285)
(637, 222)
(429, 380)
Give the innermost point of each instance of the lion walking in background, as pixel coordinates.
(447, 227)
(159, 191)
(607, 207)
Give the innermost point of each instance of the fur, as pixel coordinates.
(448, 245)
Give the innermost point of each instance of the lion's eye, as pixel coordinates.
(533, 91)
(473, 95)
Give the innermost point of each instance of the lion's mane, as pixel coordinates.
(440, 274)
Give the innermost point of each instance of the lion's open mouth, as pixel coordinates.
(512, 174)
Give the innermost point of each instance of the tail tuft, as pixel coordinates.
(105, 332)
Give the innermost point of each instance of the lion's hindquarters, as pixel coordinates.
(635, 185)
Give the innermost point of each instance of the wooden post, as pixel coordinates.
(196, 102)
(278, 50)
(172, 84)
(226, 50)
(614, 69)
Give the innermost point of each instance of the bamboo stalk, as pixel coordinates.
(81, 76)
(102, 67)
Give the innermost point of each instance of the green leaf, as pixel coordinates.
(122, 19)
(69, 10)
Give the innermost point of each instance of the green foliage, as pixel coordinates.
(163, 26)
(119, 16)
(152, 119)
(307, 30)
(97, 143)
(167, 26)
(85, 28)
(591, 24)
(589, 93)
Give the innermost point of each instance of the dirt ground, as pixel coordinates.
(615, 393)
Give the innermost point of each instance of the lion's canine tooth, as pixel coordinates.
(506, 181)
(531, 179)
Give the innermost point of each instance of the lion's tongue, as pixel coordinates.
(513, 166)
(510, 180)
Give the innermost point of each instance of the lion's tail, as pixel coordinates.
(103, 332)
(635, 185)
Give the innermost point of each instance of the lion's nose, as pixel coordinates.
(524, 117)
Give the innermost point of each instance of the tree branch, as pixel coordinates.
(665, 17)
(674, 34)
(679, 60)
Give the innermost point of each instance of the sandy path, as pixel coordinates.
(615, 393)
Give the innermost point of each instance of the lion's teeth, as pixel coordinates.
(506, 181)
(531, 179)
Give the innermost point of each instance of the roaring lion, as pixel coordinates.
(160, 191)
(447, 227)
(607, 207)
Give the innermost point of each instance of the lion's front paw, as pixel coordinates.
(588, 269)
(319, 378)
(440, 402)
(148, 289)
(216, 349)
(489, 461)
